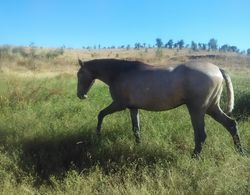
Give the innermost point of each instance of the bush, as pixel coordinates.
(20, 50)
(5, 51)
(54, 53)
(8, 51)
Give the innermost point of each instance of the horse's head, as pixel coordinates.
(85, 81)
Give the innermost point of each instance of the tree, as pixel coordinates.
(180, 44)
(234, 49)
(194, 46)
(248, 52)
(204, 46)
(175, 45)
(212, 44)
(229, 48)
(32, 45)
(169, 44)
(137, 45)
(224, 48)
(159, 43)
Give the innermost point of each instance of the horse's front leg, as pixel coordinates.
(135, 124)
(113, 107)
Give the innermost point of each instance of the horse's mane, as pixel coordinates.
(114, 65)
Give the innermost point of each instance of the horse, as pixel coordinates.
(136, 85)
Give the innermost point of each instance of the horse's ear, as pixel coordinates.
(80, 62)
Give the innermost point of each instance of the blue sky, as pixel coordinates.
(77, 23)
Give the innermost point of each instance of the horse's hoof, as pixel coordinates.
(241, 151)
(98, 133)
(137, 141)
(195, 155)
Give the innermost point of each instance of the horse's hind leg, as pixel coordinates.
(216, 113)
(135, 123)
(113, 107)
(197, 118)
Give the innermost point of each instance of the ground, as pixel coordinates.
(48, 143)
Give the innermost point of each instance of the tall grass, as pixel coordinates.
(48, 145)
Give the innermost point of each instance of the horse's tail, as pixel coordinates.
(230, 91)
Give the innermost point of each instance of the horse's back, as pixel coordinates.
(204, 68)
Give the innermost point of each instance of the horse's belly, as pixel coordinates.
(159, 107)
(155, 101)
(152, 91)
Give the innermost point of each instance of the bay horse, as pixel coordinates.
(136, 85)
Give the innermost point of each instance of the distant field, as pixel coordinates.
(44, 60)
(48, 143)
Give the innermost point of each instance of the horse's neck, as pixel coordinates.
(104, 75)
(105, 79)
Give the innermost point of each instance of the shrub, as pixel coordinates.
(54, 53)
(20, 50)
(5, 51)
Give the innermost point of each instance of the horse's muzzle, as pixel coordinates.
(82, 96)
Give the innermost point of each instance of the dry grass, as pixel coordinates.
(67, 62)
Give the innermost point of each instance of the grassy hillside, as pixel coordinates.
(48, 143)
(65, 60)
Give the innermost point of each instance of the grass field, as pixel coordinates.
(48, 143)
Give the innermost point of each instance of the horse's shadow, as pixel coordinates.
(82, 151)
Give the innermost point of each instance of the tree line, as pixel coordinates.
(211, 45)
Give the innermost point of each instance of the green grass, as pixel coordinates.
(48, 144)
